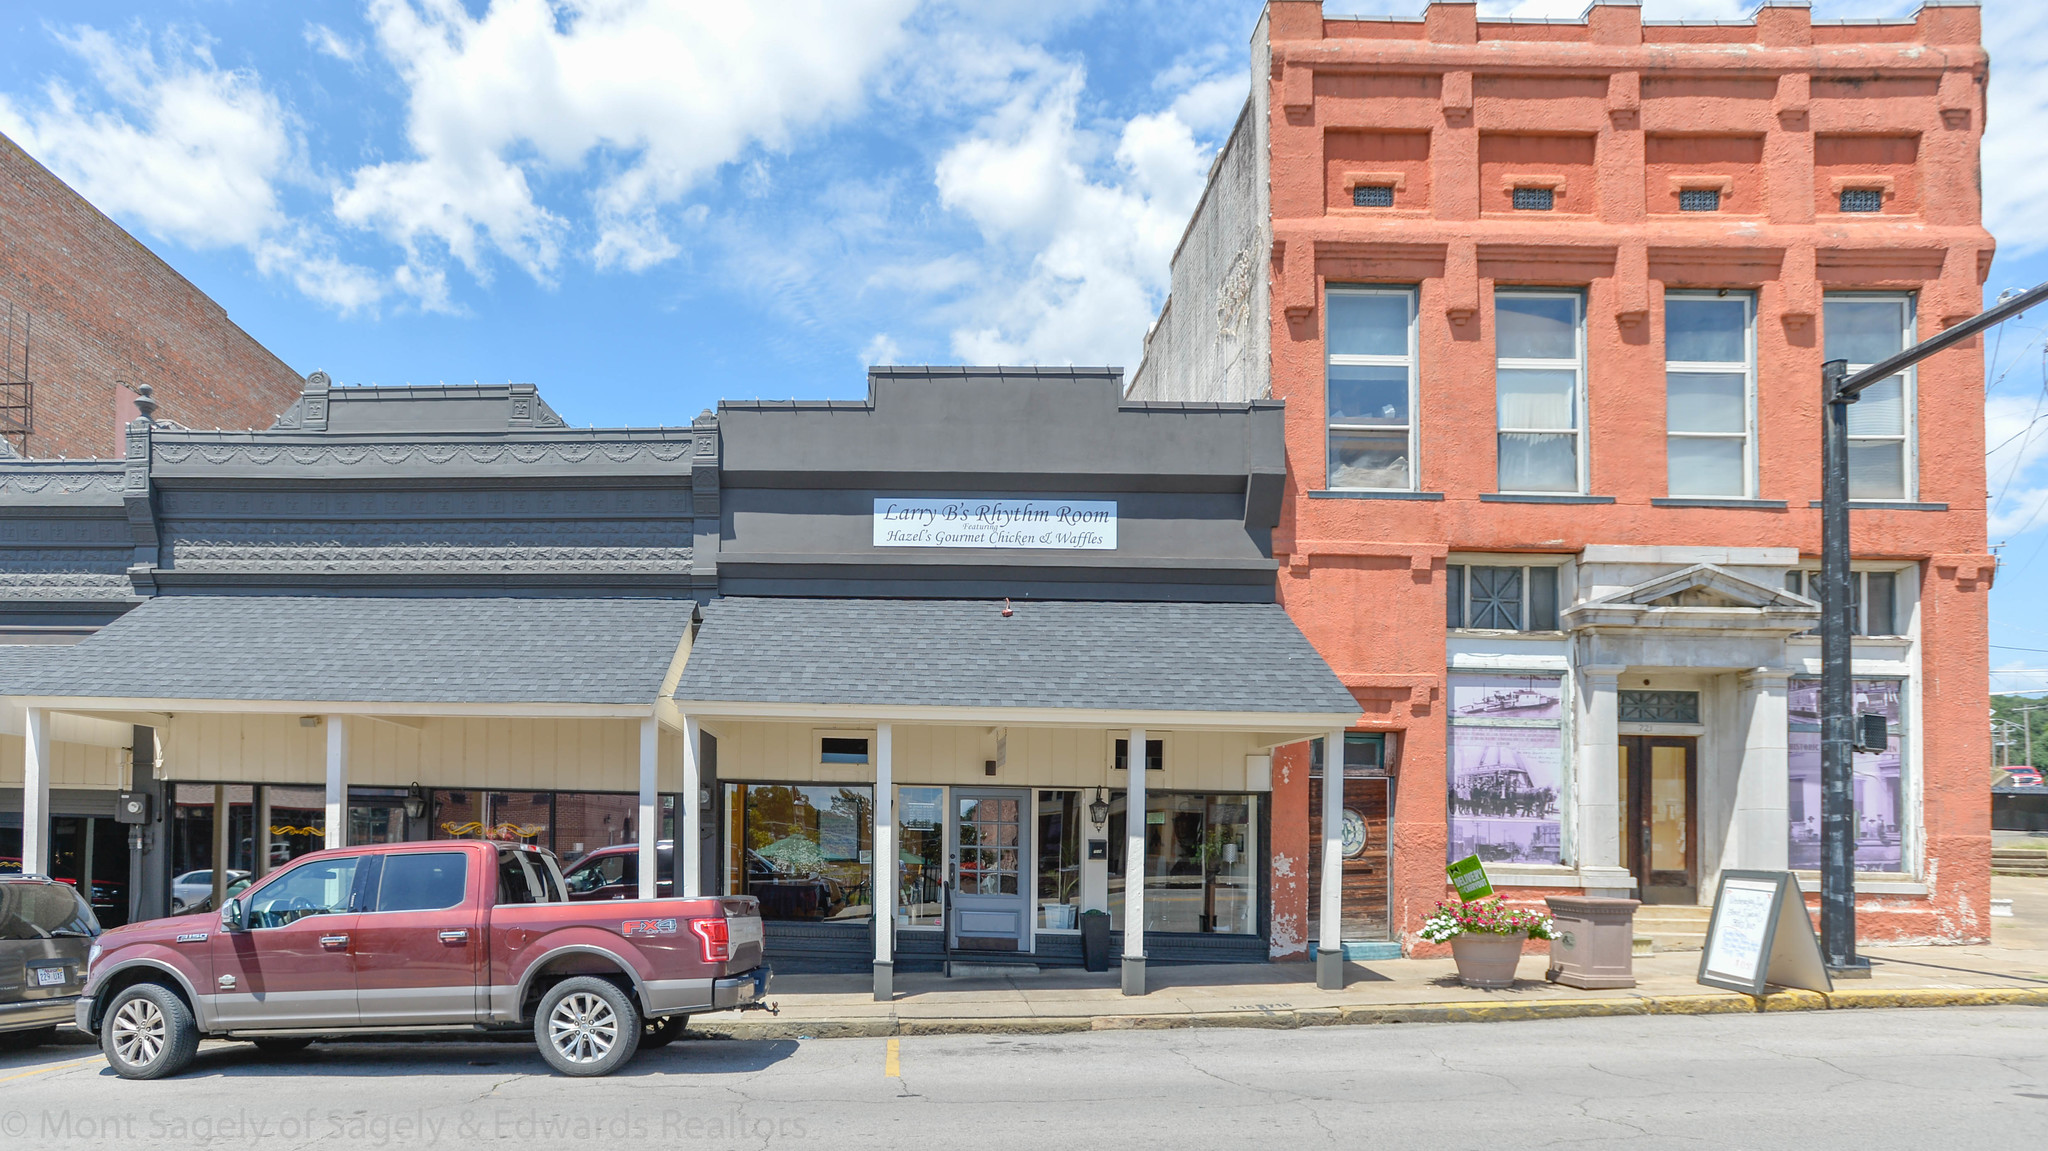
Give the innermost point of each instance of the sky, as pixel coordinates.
(644, 206)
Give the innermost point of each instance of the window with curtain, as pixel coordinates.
(1864, 329)
(1370, 385)
(1709, 378)
(1538, 382)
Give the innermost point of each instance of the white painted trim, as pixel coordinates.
(882, 871)
(164, 709)
(1299, 725)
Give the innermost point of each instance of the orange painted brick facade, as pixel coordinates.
(105, 312)
(1779, 116)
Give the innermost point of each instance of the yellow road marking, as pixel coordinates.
(892, 1064)
(50, 1068)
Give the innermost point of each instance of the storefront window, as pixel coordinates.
(804, 850)
(1198, 862)
(921, 853)
(1059, 859)
(1506, 767)
(571, 824)
(1875, 786)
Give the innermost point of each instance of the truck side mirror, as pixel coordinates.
(1871, 733)
(231, 916)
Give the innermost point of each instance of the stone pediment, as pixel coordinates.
(1701, 596)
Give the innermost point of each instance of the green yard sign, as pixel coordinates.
(1468, 875)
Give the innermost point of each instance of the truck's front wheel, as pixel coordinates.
(587, 1026)
(148, 1033)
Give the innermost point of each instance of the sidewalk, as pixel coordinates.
(2012, 969)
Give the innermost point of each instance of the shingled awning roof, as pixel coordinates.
(1093, 656)
(345, 649)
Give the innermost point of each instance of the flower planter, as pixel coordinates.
(1486, 960)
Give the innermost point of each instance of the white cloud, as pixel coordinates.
(1078, 245)
(188, 150)
(653, 96)
(328, 42)
(881, 350)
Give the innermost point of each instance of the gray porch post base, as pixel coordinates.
(1329, 969)
(885, 982)
(1134, 976)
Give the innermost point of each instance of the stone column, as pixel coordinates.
(1758, 828)
(1595, 783)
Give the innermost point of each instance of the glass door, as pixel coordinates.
(991, 907)
(1657, 801)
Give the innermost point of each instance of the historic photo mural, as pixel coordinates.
(1876, 781)
(1506, 767)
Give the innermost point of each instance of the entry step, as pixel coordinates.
(985, 970)
(1372, 949)
(1672, 927)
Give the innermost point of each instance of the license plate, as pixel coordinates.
(743, 931)
(49, 976)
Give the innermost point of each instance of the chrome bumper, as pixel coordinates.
(739, 990)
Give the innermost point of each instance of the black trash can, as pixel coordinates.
(1095, 940)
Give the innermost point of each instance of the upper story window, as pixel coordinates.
(1370, 346)
(1498, 598)
(1864, 328)
(1709, 394)
(1539, 385)
(1873, 598)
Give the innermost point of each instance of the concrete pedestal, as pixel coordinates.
(885, 982)
(1330, 969)
(1595, 944)
(1134, 976)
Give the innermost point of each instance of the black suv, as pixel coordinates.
(47, 932)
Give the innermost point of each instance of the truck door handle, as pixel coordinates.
(334, 941)
(455, 937)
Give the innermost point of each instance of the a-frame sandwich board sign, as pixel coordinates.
(1760, 936)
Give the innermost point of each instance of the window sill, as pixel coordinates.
(1869, 883)
(1369, 494)
(1540, 498)
(1686, 502)
(1888, 505)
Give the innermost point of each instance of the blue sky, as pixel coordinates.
(645, 206)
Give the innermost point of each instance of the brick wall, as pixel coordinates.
(104, 308)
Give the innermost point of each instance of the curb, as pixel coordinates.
(884, 1027)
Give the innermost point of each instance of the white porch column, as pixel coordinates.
(883, 873)
(649, 829)
(1759, 829)
(689, 820)
(337, 782)
(1134, 864)
(1330, 900)
(1596, 784)
(35, 795)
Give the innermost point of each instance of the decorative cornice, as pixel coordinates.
(437, 452)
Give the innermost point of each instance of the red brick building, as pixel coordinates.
(91, 314)
(1548, 303)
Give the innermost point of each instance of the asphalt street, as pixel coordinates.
(1858, 1080)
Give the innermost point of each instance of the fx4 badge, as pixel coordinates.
(647, 927)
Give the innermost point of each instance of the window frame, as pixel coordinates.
(1464, 581)
(1859, 594)
(1581, 465)
(1717, 367)
(1909, 393)
(1412, 362)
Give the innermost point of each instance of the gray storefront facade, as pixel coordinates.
(884, 664)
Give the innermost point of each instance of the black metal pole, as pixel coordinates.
(1837, 731)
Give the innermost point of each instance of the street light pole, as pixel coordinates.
(1839, 389)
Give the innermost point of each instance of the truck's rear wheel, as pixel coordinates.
(662, 1032)
(587, 1026)
(148, 1033)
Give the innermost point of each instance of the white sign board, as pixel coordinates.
(1760, 935)
(980, 522)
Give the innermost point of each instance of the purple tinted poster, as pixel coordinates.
(1875, 785)
(1486, 697)
(1506, 772)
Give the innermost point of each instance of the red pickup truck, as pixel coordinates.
(410, 937)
